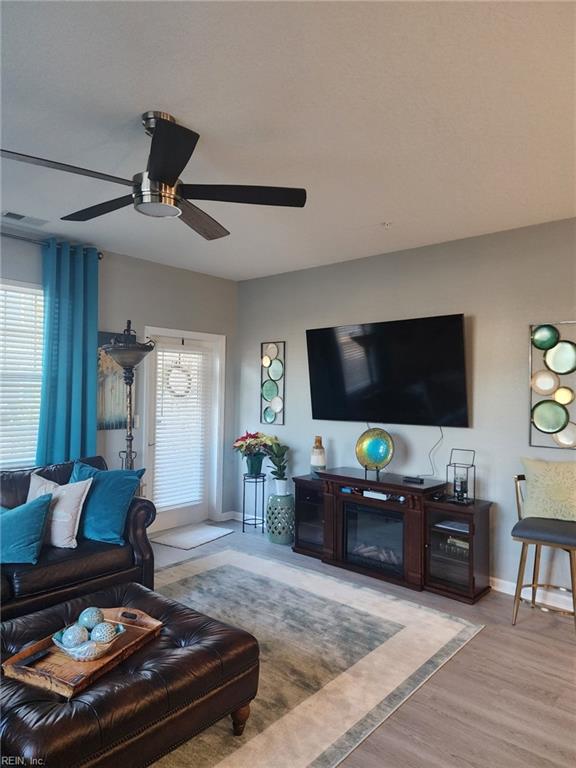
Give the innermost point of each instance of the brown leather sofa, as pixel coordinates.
(61, 574)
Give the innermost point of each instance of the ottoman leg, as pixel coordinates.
(239, 718)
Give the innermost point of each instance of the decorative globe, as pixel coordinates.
(374, 448)
(74, 635)
(90, 617)
(103, 632)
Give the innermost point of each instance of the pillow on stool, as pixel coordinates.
(550, 489)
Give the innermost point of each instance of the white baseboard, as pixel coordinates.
(175, 518)
(234, 515)
(551, 597)
(231, 515)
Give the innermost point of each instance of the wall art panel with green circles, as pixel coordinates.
(553, 385)
(272, 382)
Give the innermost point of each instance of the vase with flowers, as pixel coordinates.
(253, 447)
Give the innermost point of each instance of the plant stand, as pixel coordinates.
(258, 482)
(280, 518)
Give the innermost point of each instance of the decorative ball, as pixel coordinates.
(103, 632)
(74, 635)
(90, 617)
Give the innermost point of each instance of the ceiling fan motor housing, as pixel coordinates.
(149, 120)
(153, 198)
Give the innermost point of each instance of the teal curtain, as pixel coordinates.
(67, 427)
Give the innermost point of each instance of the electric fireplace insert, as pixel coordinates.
(374, 538)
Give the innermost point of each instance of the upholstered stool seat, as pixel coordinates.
(545, 530)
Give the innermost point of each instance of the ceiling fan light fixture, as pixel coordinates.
(160, 208)
(153, 198)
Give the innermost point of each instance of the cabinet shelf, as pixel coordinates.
(452, 528)
(449, 559)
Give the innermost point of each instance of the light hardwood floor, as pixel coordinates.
(506, 700)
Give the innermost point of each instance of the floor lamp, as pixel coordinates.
(125, 350)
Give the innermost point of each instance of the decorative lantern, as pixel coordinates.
(461, 475)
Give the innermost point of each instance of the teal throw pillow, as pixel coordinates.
(108, 501)
(22, 530)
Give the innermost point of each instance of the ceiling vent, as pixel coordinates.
(20, 219)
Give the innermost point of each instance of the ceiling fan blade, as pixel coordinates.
(171, 148)
(201, 222)
(62, 167)
(244, 194)
(99, 210)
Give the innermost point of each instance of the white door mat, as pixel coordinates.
(191, 536)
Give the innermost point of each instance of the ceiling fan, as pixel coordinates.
(158, 191)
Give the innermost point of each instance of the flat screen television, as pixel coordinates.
(398, 372)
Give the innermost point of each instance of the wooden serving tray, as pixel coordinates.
(56, 671)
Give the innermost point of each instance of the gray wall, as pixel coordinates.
(150, 294)
(20, 261)
(501, 282)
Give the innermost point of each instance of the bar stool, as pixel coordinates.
(542, 532)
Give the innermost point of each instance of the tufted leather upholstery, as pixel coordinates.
(64, 573)
(195, 672)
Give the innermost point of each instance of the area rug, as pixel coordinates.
(190, 536)
(337, 659)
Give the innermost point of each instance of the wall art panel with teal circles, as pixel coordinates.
(272, 382)
(553, 385)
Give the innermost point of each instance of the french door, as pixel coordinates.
(183, 425)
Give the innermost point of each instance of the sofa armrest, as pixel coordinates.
(141, 514)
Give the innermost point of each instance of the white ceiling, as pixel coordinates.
(447, 119)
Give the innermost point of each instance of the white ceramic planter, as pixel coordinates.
(281, 487)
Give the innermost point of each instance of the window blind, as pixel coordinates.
(21, 341)
(182, 423)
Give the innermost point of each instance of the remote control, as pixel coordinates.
(415, 480)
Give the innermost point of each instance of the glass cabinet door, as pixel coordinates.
(309, 517)
(449, 551)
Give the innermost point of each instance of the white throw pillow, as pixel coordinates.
(65, 508)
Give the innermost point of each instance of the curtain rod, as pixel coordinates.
(32, 240)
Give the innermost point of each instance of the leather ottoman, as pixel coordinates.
(195, 672)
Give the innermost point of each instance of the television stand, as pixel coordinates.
(394, 530)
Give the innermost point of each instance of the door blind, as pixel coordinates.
(21, 341)
(182, 424)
